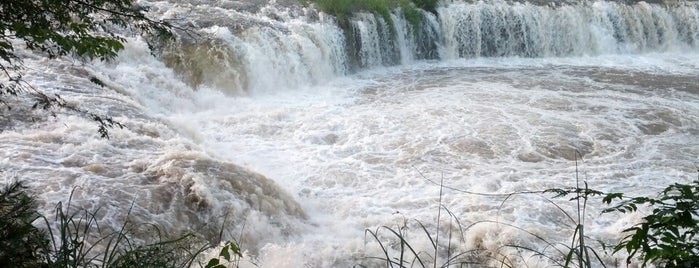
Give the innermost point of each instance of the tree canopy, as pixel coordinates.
(90, 29)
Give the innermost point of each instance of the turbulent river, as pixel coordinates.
(299, 136)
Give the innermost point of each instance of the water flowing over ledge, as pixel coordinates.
(495, 95)
(237, 52)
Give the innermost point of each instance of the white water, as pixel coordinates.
(590, 29)
(346, 153)
(354, 156)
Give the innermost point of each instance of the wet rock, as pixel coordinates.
(653, 128)
(530, 157)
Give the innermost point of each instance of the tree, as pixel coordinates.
(88, 29)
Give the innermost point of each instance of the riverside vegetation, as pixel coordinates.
(414, 12)
(343, 9)
(96, 29)
(73, 238)
(666, 237)
(81, 29)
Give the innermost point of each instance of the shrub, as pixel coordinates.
(78, 241)
(21, 244)
(428, 5)
(668, 235)
(343, 9)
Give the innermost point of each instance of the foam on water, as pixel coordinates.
(354, 152)
(489, 129)
(152, 170)
(339, 154)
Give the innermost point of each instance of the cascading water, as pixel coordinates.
(493, 97)
(236, 52)
(590, 28)
(242, 53)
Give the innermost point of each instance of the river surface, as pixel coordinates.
(297, 155)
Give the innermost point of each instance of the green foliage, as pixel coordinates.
(668, 235)
(343, 9)
(83, 27)
(414, 17)
(178, 252)
(225, 253)
(578, 248)
(78, 241)
(429, 5)
(70, 244)
(91, 29)
(398, 251)
(21, 243)
(579, 251)
(406, 253)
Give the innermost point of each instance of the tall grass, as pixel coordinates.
(396, 243)
(74, 238)
(400, 248)
(579, 250)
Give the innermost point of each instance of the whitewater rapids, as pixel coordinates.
(271, 124)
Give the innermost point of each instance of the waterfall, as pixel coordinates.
(226, 126)
(371, 34)
(242, 53)
(245, 53)
(527, 30)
